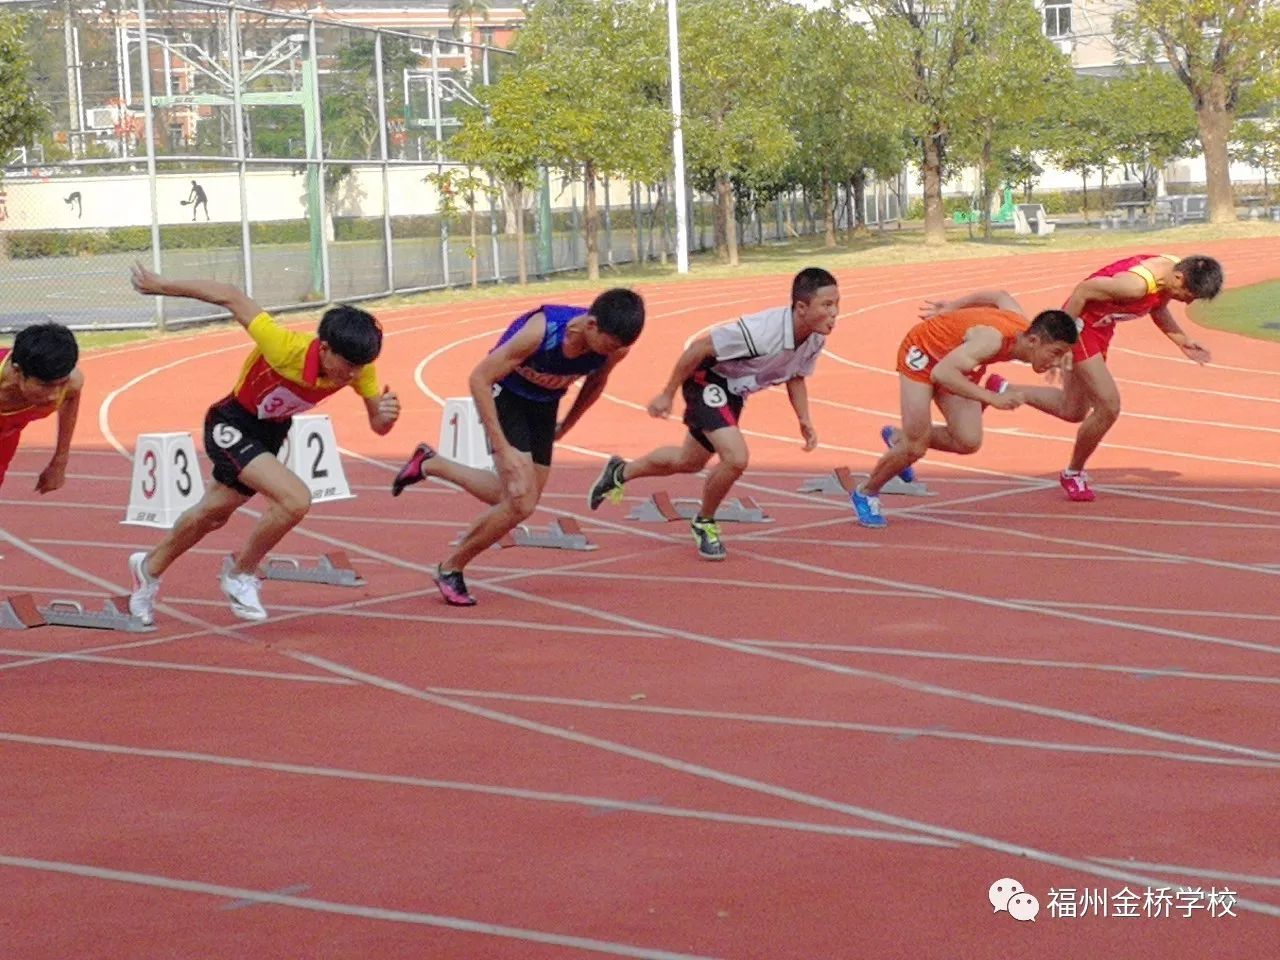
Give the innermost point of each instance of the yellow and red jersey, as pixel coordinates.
(282, 376)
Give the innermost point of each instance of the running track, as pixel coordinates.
(827, 747)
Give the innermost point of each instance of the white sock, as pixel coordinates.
(1071, 473)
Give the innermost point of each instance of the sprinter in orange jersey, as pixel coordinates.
(287, 372)
(942, 360)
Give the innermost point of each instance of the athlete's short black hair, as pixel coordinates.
(353, 334)
(620, 313)
(808, 282)
(45, 351)
(1202, 275)
(1055, 325)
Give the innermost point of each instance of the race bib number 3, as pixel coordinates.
(713, 395)
(917, 359)
(280, 403)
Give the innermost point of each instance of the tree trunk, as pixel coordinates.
(475, 244)
(1215, 131)
(522, 269)
(984, 166)
(637, 238)
(935, 225)
(725, 214)
(660, 216)
(1084, 202)
(591, 222)
(512, 214)
(858, 194)
(829, 210)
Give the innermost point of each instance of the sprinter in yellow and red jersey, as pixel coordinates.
(286, 373)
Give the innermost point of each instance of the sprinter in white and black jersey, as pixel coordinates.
(716, 374)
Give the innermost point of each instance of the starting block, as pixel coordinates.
(21, 613)
(842, 481)
(333, 569)
(561, 534)
(660, 508)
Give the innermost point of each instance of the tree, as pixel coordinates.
(734, 55)
(501, 137)
(596, 62)
(1002, 92)
(842, 116)
(1164, 129)
(1257, 143)
(22, 116)
(1083, 139)
(468, 10)
(1214, 47)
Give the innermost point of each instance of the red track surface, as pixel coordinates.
(828, 747)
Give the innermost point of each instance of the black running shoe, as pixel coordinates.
(453, 588)
(707, 535)
(608, 485)
(411, 472)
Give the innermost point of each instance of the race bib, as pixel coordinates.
(713, 395)
(917, 359)
(1113, 318)
(280, 403)
(226, 436)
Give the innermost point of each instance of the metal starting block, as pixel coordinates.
(20, 612)
(842, 481)
(562, 534)
(660, 508)
(333, 569)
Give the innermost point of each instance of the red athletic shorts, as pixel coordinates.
(1093, 342)
(8, 447)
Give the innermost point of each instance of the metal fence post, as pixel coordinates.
(386, 172)
(144, 51)
(242, 169)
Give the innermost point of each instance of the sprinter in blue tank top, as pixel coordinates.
(517, 390)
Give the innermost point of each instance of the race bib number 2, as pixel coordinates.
(280, 403)
(917, 359)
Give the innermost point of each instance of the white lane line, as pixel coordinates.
(224, 892)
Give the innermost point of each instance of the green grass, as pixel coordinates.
(1244, 310)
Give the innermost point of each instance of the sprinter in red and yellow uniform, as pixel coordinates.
(286, 373)
(1137, 286)
(38, 378)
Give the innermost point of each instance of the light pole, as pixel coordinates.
(677, 141)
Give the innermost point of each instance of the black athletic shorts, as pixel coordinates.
(528, 425)
(709, 406)
(233, 437)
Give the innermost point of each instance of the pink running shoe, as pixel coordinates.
(1077, 487)
(411, 472)
(453, 588)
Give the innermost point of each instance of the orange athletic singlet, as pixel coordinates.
(931, 340)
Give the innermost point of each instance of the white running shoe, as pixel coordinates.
(242, 590)
(142, 602)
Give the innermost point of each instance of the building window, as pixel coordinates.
(1057, 19)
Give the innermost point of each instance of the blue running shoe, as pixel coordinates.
(868, 510)
(908, 475)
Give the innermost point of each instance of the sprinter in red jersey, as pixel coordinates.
(1125, 290)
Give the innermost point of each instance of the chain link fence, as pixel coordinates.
(293, 156)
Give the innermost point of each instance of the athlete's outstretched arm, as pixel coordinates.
(1120, 288)
(1163, 319)
(55, 474)
(951, 372)
(592, 387)
(224, 295)
(694, 356)
(999, 299)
